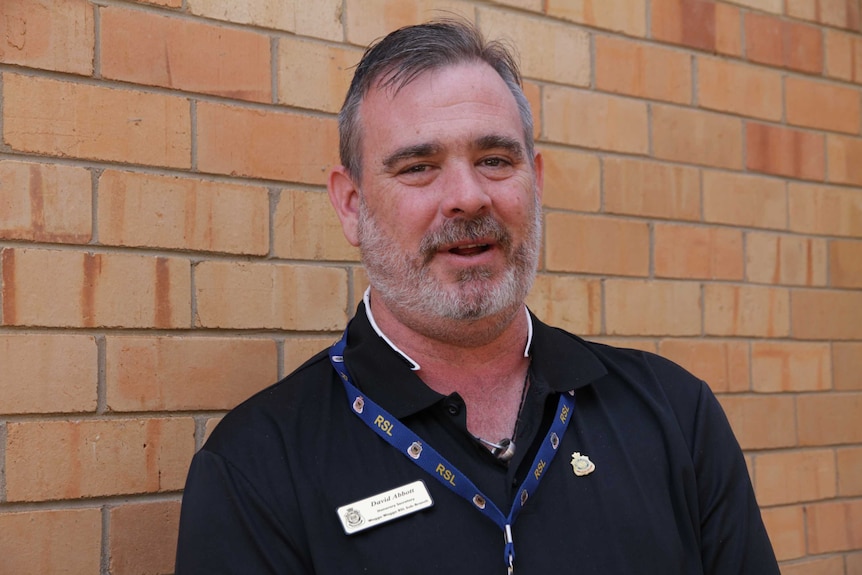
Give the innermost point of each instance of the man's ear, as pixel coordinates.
(344, 195)
(539, 168)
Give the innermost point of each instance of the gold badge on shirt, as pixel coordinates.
(581, 464)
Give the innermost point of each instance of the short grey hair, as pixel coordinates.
(408, 52)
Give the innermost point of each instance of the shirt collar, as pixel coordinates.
(377, 367)
(413, 365)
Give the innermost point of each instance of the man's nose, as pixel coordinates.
(464, 192)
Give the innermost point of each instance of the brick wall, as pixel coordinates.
(167, 248)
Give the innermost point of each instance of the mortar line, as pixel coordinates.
(105, 558)
(3, 437)
(101, 382)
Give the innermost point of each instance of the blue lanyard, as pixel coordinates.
(409, 444)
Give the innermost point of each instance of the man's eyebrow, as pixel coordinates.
(494, 141)
(410, 152)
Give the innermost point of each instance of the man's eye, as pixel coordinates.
(494, 162)
(417, 169)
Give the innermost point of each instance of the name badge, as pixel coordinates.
(383, 507)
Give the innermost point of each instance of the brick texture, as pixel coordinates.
(38, 378)
(142, 537)
(785, 259)
(178, 213)
(55, 541)
(75, 289)
(626, 16)
(142, 48)
(45, 203)
(49, 460)
(588, 119)
(178, 373)
(57, 35)
(163, 210)
(649, 189)
(84, 121)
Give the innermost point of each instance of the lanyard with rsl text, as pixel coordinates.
(409, 444)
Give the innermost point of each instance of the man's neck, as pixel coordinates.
(488, 373)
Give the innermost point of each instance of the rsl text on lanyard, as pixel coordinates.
(409, 444)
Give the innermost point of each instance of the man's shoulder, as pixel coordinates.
(277, 409)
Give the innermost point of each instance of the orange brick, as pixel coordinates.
(642, 70)
(646, 188)
(76, 289)
(143, 537)
(186, 373)
(178, 213)
(822, 105)
(845, 160)
(314, 75)
(166, 3)
(770, 40)
(625, 245)
(845, 263)
(790, 366)
(785, 259)
(270, 296)
(533, 5)
(708, 26)
(696, 137)
(574, 304)
(739, 88)
(829, 418)
(854, 564)
(48, 460)
(847, 365)
(321, 19)
(793, 476)
(572, 180)
(641, 307)
(825, 566)
(45, 203)
(825, 210)
(265, 144)
(56, 35)
(594, 120)
(840, 13)
(850, 471)
(761, 421)
(548, 50)
(209, 426)
(53, 541)
(724, 365)
(826, 314)
(38, 376)
(82, 121)
(697, 252)
(834, 526)
(626, 16)
(369, 20)
(145, 48)
(843, 56)
(746, 310)
(784, 152)
(743, 200)
(297, 350)
(306, 228)
(786, 529)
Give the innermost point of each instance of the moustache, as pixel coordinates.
(465, 230)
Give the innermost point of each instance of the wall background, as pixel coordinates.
(167, 247)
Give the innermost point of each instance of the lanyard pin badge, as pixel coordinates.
(582, 465)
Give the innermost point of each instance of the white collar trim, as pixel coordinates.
(413, 365)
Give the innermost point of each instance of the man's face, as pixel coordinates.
(450, 219)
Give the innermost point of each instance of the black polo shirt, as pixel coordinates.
(670, 493)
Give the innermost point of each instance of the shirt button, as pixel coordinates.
(453, 408)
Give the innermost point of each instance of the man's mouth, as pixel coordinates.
(469, 249)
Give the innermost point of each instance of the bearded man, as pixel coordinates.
(449, 430)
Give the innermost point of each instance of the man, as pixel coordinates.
(450, 430)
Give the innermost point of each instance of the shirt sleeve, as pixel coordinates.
(733, 538)
(227, 527)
